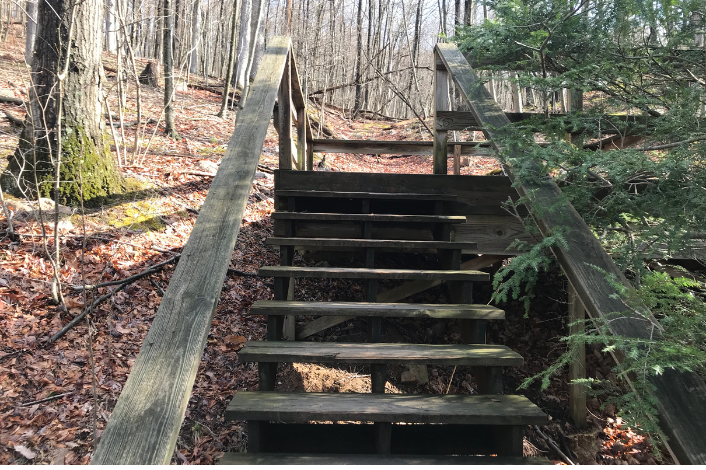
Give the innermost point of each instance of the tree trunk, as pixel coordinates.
(243, 43)
(65, 121)
(31, 30)
(195, 35)
(358, 62)
(111, 43)
(231, 58)
(168, 49)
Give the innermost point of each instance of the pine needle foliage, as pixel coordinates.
(640, 68)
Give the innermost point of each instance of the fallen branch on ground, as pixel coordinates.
(35, 402)
(133, 278)
(11, 100)
(553, 445)
(13, 119)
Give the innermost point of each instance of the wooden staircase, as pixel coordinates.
(380, 428)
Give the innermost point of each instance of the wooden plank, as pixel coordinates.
(297, 94)
(395, 218)
(385, 407)
(456, 121)
(369, 243)
(441, 103)
(379, 353)
(681, 397)
(493, 234)
(366, 195)
(393, 147)
(145, 422)
(375, 309)
(284, 126)
(366, 273)
(577, 369)
(249, 458)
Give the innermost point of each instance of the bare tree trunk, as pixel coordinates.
(257, 16)
(243, 43)
(168, 57)
(111, 43)
(64, 141)
(195, 35)
(231, 58)
(358, 62)
(31, 30)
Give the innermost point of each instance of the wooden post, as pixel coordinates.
(301, 139)
(441, 103)
(577, 369)
(284, 100)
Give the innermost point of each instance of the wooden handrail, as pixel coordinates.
(680, 397)
(145, 423)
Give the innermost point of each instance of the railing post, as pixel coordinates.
(284, 100)
(577, 368)
(441, 103)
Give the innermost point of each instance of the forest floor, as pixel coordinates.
(56, 397)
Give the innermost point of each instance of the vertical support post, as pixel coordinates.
(577, 369)
(284, 100)
(301, 139)
(441, 103)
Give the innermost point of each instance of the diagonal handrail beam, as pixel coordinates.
(145, 423)
(680, 396)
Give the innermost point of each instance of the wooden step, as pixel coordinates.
(508, 410)
(249, 458)
(372, 309)
(366, 273)
(366, 195)
(370, 243)
(395, 218)
(484, 355)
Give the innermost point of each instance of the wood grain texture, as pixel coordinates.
(369, 273)
(374, 309)
(441, 103)
(394, 147)
(369, 243)
(679, 395)
(395, 218)
(379, 353)
(456, 121)
(390, 408)
(145, 423)
(245, 458)
(366, 195)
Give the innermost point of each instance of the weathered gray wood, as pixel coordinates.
(360, 195)
(456, 121)
(395, 218)
(369, 243)
(375, 309)
(284, 126)
(448, 409)
(145, 422)
(380, 353)
(441, 103)
(394, 147)
(577, 369)
(681, 397)
(366, 273)
(245, 458)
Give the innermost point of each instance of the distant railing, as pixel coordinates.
(145, 423)
(680, 397)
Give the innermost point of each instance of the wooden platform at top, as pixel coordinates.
(365, 195)
(510, 410)
(479, 198)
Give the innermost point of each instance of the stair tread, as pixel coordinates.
(367, 195)
(380, 353)
(370, 273)
(384, 407)
(249, 458)
(372, 309)
(398, 218)
(370, 243)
